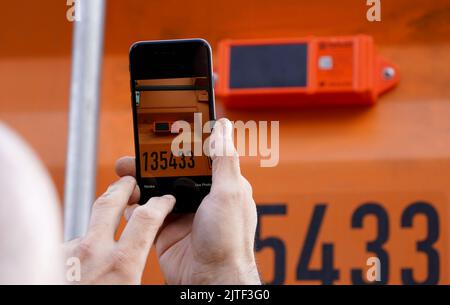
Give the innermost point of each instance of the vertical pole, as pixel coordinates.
(81, 160)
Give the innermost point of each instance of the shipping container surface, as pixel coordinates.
(352, 183)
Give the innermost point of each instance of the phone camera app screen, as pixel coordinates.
(165, 108)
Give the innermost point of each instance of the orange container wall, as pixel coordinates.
(394, 153)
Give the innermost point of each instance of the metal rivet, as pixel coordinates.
(388, 73)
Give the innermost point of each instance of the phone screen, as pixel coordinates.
(172, 100)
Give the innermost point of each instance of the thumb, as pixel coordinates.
(223, 153)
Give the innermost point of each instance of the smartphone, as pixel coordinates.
(172, 86)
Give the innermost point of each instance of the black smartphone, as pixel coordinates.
(172, 94)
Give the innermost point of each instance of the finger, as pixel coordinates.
(135, 196)
(107, 209)
(126, 166)
(173, 230)
(70, 246)
(223, 153)
(129, 211)
(144, 223)
(169, 219)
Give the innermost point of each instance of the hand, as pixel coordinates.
(216, 245)
(106, 261)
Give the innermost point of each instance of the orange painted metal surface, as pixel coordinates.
(395, 154)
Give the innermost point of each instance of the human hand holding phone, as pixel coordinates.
(103, 260)
(215, 245)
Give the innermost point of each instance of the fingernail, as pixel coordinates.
(170, 197)
(220, 124)
(128, 178)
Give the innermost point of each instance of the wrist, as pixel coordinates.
(231, 273)
(245, 274)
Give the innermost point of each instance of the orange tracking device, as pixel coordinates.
(300, 72)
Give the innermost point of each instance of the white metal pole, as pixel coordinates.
(81, 160)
